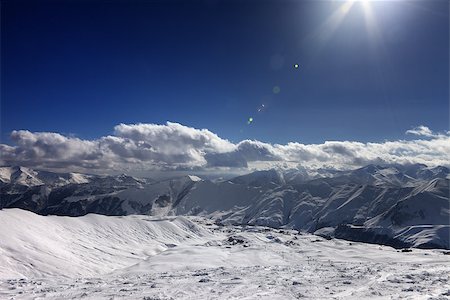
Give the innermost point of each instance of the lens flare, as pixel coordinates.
(276, 89)
(261, 108)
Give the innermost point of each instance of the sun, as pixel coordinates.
(330, 25)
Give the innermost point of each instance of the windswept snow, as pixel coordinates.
(143, 257)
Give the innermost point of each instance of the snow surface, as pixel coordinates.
(143, 257)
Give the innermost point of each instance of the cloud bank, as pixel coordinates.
(177, 147)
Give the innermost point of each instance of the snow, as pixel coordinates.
(5, 174)
(78, 178)
(422, 234)
(194, 178)
(144, 257)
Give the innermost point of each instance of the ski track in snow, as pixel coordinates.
(141, 257)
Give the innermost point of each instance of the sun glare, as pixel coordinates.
(336, 18)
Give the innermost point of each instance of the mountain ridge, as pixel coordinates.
(350, 204)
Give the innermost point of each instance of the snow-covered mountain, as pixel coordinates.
(145, 257)
(263, 178)
(29, 177)
(395, 205)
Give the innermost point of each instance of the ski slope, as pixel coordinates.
(143, 257)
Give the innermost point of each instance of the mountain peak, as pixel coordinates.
(194, 178)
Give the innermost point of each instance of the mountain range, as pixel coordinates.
(395, 205)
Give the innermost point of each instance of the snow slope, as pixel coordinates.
(142, 257)
(36, 246)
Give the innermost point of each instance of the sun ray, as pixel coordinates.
(326, 30)
(322, 34)
(378, 51)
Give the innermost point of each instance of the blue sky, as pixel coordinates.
(83, 67)
(170, 85)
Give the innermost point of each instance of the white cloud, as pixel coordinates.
(174, 137)
(51, 150)
(174, 146)
(422, 131)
